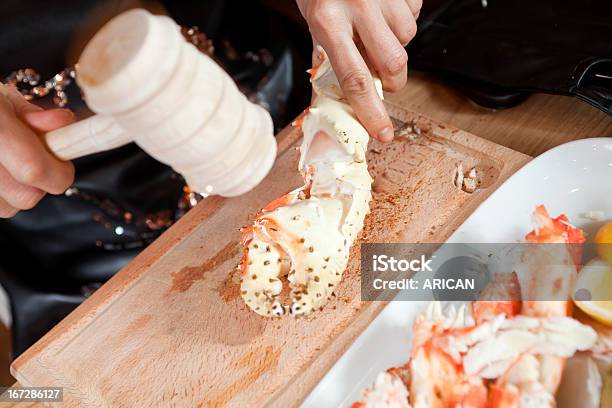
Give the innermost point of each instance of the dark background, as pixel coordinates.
(498, 56)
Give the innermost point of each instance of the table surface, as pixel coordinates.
(533, 127)
(540, 123)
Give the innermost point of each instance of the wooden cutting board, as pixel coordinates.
(170, 329)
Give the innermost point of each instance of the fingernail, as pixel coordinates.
(386, 135)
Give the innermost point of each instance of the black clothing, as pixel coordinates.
(54, 255)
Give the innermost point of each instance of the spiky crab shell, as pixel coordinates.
(304, 239)
(261, 285)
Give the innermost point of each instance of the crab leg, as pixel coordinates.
(308, 233)
(555, 283)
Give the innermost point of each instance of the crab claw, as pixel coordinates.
(307, 238)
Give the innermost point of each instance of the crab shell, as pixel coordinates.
(454, 356)
(307, 234)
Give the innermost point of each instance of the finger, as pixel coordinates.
(20, 105)
(36, 117)
(415, 7)
(357, 85)
(16, 194)
(384, 51)
(402, 22)
(46, 121)
(25, 157)
(6, 211)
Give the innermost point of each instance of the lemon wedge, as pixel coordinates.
(603, 242)
(593, 290)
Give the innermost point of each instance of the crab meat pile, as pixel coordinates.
(308, 233)
(454, 359)
(505, 353)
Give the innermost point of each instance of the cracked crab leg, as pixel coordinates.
(308, 233)
(552, 283)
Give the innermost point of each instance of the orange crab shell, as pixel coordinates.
(555, 229)
(264, 226)
(503, 397)
(451, 387)
(313, 71)
(486, 309)
(300, 119)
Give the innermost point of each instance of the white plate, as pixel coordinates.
(572, 179)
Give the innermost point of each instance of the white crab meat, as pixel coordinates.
(489, 349)
(308, 234)
(453, 357)
(388, 391)
(522, 385)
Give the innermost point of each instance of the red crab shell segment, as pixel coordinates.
(557, 230)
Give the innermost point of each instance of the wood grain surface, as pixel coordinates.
(170, 328)
(533, 127)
